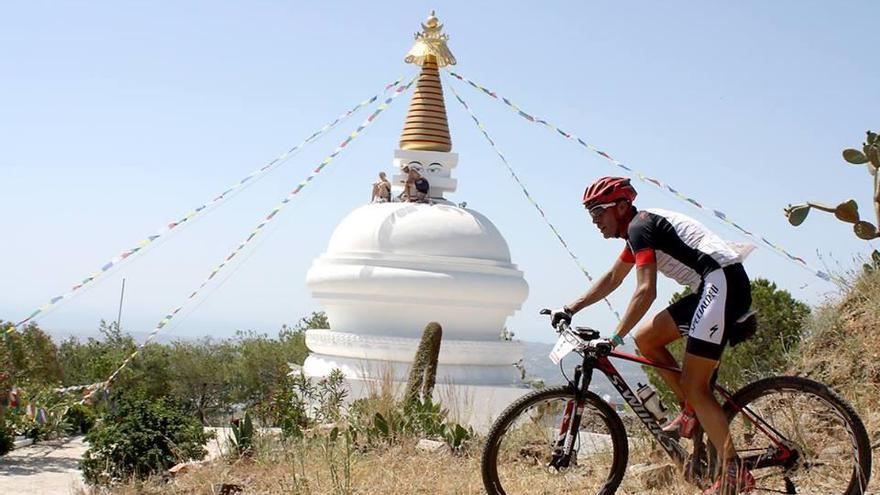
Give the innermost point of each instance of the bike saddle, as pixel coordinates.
(744, 328)
(748, 314)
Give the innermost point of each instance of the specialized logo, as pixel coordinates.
(713, 330)
(669, 445)
(710, 293)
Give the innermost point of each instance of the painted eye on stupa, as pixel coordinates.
(415, 165)
(435, 167)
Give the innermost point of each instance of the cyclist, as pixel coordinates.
(686, 251)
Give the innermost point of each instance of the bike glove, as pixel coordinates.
(560, 315)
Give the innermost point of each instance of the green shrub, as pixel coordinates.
(140, 437)
(407, 419)
(6, 439)
(298, 403)
(79, 419)
(48, 408)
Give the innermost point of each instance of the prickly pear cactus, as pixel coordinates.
(848, 211)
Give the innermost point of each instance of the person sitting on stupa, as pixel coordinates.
(421, 188)
(381, 190)
(415, 188)
(408, 185)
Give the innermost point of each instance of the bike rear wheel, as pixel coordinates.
(832, 452)
(520, 446)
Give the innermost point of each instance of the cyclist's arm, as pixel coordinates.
(606, 284)
(646, 292)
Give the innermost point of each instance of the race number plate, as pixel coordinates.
(564, 345)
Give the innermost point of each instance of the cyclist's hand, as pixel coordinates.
(560, 315)
(606, 345)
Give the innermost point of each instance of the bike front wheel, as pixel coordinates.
(829, 448)
(520, 447)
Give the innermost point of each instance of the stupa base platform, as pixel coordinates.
(372, 357)
(469, 405)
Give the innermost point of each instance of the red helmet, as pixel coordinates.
(608, 190)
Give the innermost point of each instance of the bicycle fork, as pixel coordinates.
(571, 421)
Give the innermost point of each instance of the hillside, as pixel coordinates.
(843, 351)
(841, 348)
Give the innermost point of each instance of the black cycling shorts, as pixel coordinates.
(723, 297)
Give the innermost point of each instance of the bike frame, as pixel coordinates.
(780, 455)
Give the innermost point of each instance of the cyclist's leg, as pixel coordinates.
(724, 294)
(696, 377)
(653, 337)
(666, 327)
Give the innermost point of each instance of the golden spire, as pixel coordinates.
(426, 127)
(430, 42)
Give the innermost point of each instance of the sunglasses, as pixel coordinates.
(598, 210)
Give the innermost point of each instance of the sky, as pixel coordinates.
(119, 117)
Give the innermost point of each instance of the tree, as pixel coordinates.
(781, 321)
(28, 356)
(262, 364)
(29, 360)
(316, 321)
(202, 373)
(95, 360)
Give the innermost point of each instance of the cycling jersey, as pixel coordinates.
(689, 253)
(684, 249)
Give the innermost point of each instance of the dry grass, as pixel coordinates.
(844, 352)
(306, 469)
(318, 466)
(383, 393)
(458, 401)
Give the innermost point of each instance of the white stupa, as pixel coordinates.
(391, 268)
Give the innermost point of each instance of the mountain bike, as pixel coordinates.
(796, 435)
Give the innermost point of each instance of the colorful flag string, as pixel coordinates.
(259, 228)
(528, 196)
(186, 219)
(648, 180)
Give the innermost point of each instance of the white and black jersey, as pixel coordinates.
(683, 248)
(689, 253)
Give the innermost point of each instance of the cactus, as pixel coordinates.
(243, 436)
(848, 211)
(423, 373)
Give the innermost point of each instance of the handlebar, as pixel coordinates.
(603, 346)
(562, 325)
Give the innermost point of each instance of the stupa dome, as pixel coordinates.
(390, 268)
(413, 229)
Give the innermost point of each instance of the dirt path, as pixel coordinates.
(47, 468)
(52, 467)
